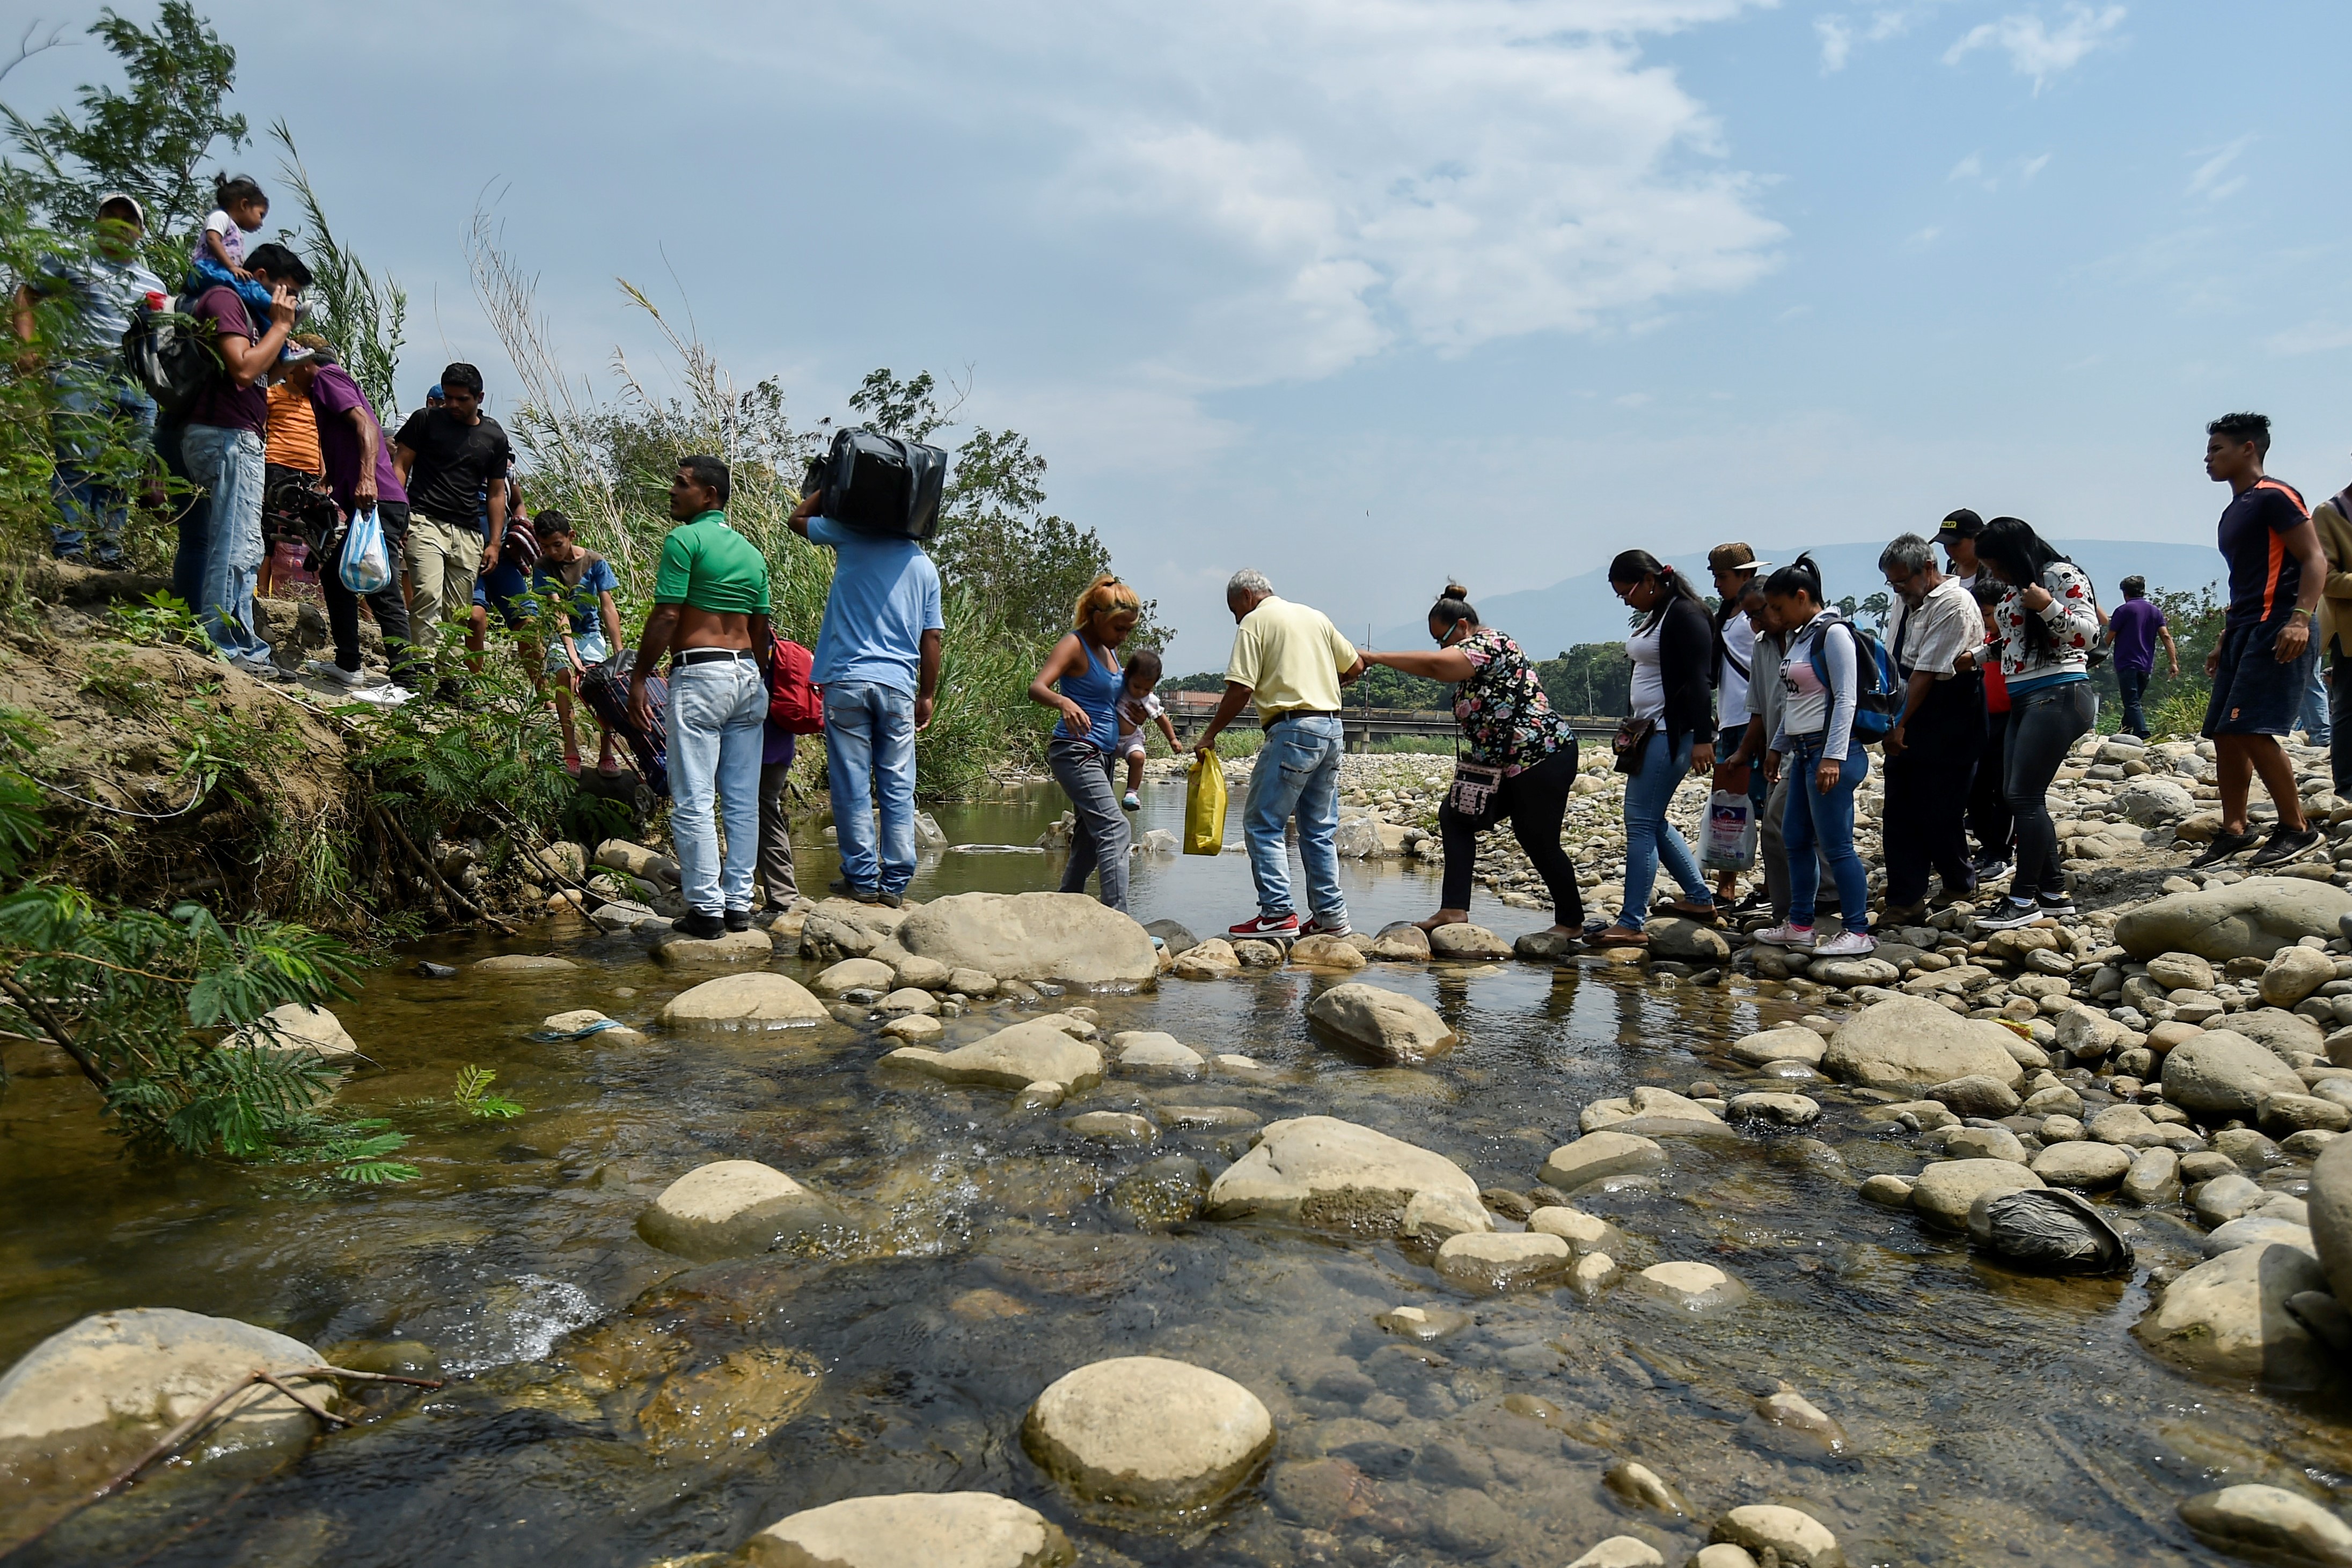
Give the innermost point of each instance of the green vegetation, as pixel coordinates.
(474, 1097)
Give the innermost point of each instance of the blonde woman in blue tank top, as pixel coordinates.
(1083, 752)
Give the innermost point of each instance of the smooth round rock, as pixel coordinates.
(1599, 1155)
(1944, 1191)
(1592, 1273)
(1693, 1287)
(1800, 1538)
(1148, 1432)
(1789, 1043)
(1773, 1109)
(1113, 1126)
(913, 1530)
(1387, 1026)
(1494, 1261)
(521, 963)
(297, 1027)
(855, 974)
(1583, 1232)
(1620, 1551)
(2270, 1523)
(1333, 1174)
(2086, 1167)
(729, 1208)
(752, 946)
(913, 1029)
(1151, 1051)
(2228, 1316)
(759, 1001)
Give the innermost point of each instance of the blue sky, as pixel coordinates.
(1370, 294)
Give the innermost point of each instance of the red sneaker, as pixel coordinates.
(1260, 928)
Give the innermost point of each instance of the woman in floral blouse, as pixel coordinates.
(1507, 724)
(2048, 624)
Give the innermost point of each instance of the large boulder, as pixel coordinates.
(2293, 973)
(1321, 1170)
(2253, 919)
(1145, 1432)
(1465, 943)
(2330, 1209)
(91, 1397)
(1065, 937)
(2222, 1072)
(913, 1530)
(1906, 1042)
(731, 1208)
(760, 1001)
(1035, 1051)
(1385, 1025)
(2277, 1028)
(2228, 1316)
(295, 1027)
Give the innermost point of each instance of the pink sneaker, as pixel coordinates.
(1846, 944)
(1787, 934)
(1259, 928)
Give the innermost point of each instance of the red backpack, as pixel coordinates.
(795, 704)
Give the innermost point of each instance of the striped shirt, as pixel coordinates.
(2263, 578)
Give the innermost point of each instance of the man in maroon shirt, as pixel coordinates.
(222, 448)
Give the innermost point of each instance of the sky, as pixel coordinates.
(1372, 295)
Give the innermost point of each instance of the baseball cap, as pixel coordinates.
(1960, 524)
(138, 213)
(1735, 557)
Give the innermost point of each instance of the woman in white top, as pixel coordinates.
(1671, 649)
(1820, 682)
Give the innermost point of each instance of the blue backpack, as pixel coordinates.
(1880, 699)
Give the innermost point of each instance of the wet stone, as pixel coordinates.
(1148, 1432)
(1493, 1262)
(1798, 1537)
(918, 1530)
(1599, 1155)
(2269, 1523)
(1644, 1488)
(1165, 1192)
(1423, 1325)
(1691, 1287)
(1620, 1551)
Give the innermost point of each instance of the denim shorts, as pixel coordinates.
(2253, 693)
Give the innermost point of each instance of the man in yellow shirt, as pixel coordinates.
(1290, 661)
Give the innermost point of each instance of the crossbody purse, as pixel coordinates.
(1631, 735)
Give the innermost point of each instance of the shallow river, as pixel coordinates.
(1993, 1418)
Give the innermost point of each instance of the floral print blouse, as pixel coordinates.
(1502, 708)
(2074, 628)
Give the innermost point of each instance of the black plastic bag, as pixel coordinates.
(2048, 1230)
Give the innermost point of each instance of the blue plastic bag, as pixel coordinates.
(367, 564)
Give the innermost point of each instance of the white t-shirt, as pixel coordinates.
(232, 238)
(1738, 644)
(1649, 680)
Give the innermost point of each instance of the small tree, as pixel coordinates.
(152, 140)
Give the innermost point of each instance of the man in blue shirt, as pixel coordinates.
(878, 661)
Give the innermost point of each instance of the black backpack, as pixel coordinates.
(170, 355)
(880, 484)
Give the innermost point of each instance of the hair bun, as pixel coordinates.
(1454, 591)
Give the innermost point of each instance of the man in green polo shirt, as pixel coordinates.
(711, 616)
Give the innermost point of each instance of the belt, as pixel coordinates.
(1271, 719)
(708, 654)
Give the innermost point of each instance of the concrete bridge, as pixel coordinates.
(1189, 710)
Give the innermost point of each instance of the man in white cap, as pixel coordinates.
(103, 423)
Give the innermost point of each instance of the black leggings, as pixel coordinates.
(2041, 726)
(1535, 801)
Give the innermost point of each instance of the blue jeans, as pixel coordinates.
(2133, 685)
(716, 713)
(869, 751)
(1648, 839)
(228, 465)
(90, 501)
(1826, 820)
(1100, 843)
(2316, 719)
(1297, 773)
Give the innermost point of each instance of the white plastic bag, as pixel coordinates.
(367, 564)
(1729, 842)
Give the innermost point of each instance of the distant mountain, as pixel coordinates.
(1544, 621)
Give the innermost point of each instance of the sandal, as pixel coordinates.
(572, 764)
(1706, 914)
(1618, 936)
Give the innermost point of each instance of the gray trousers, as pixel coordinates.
(1775, 853)
(1100, 844)
(775, 836)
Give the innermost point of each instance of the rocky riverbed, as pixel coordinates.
(990, 1232)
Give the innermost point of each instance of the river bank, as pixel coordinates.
(1001, 1242)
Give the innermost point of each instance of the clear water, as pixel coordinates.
(1992, 1419)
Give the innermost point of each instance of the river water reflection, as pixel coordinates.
(1992, 1419)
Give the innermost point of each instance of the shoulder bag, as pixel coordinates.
(1631, 735)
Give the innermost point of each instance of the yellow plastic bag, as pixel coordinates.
(1204, 808)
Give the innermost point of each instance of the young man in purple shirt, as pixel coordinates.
(2137, 622)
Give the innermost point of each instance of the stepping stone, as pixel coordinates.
(759, 1001)
(752, 946)
(1144, 1432)
(731, 1208)
(539, 963)
(1489, 1262)
(913, 1530)
(1597, 1157)
(1693, 1287)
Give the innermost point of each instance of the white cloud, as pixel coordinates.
(1970, 168)
(2037, 49)
(1307, 186)
(2311, 338)
(2211, 178)
(2034, 166)
(1839, 34)
(1837, 41)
